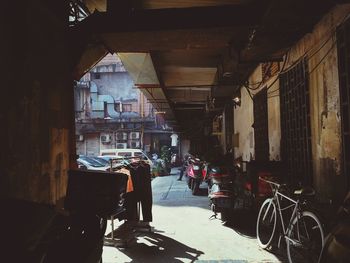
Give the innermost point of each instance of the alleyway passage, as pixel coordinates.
(183, 232)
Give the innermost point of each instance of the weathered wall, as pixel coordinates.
(243, 121)
(324, 101)
(37, 103)
(320, 49)
(244, 118)
(118, 84)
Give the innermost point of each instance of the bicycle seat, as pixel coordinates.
(305, 191)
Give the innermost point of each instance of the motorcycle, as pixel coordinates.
(229, 189)
(220, 180)
(194, 174)
(243, 187)
(337, 243)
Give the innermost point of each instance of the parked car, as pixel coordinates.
(88, 163)
(116, 161)
(100, 160)
(126, 153)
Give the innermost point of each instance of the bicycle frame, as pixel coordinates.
(276, 199)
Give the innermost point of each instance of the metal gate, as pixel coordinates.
(261, 136)
(295, 124)
(343, 42)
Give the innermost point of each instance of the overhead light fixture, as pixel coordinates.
(236, 101)
(227, 74)
(160, 112)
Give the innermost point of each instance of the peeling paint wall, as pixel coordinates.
(321, 51)
(244, 118)
(37, 105)
(320, 48)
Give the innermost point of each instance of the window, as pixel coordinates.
(124, 154)
(96, 76)
(295, 124)
(108, 153)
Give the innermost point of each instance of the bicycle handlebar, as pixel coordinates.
(271, 182)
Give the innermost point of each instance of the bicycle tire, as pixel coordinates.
(264, 240)
(312, 250)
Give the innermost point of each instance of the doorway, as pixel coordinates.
(261, 136)
(343, 42)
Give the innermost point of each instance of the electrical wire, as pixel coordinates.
(262, 81)
(314, 68)
(250, 94)
(277, 77)
(307, 56)
(323, 58)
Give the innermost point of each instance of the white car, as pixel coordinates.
(126, 154)
(87, 163)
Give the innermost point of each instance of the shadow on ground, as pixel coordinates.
(155, 247)
(243, 222)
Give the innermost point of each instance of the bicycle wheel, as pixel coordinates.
(305, 238)
(266, 223)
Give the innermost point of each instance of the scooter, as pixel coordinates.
(221, 193)
(194, 174)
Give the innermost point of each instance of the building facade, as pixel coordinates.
(297, 110)
(110, 112)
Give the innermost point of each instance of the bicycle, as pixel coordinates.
(304, 235)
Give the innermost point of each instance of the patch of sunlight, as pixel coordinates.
(147, 241)
(113, 255)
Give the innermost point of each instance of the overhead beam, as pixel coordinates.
(156, 65)
(189, 102)
(114, 21)
(190, 108)
(193, 88)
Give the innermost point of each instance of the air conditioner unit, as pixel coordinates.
(122, 136)
(79, 137)
(122, 146)
(125, 136)
(135, 144)
(106, 138)
(134, 135)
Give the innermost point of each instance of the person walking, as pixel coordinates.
(184, 166)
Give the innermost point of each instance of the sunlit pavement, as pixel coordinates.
(183, 231)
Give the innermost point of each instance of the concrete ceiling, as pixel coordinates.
(201, 49)
(101, 5)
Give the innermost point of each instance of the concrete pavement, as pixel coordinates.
(184, 233)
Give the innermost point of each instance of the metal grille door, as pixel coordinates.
(343, 42)
(295, 124)
(261, 136)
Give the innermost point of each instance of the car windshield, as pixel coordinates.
(141, 155)
(91, 161)
(100, 160)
